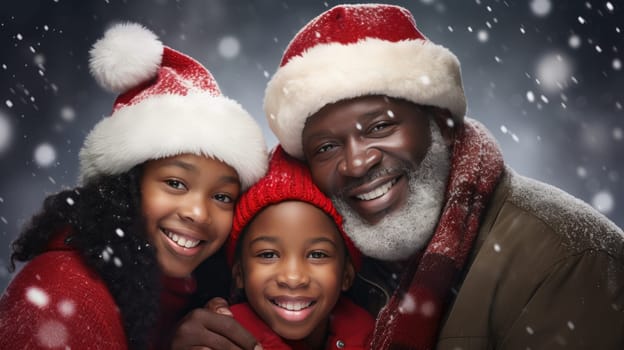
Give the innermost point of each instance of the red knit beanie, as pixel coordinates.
(287, 179)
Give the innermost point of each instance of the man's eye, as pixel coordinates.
(324, 148)
(178, 185)
(379, 127)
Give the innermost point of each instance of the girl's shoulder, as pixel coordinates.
(57, 293)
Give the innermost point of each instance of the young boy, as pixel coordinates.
(292, 259)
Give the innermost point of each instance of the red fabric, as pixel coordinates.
(177, 74)
(286, 179)
(56, 301)
(411, 319)
(347, 24)
(349, 324)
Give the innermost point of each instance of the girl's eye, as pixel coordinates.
(178, 185)
(318, 255)
(224, 198)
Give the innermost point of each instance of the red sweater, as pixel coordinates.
(350, 327)
(56, 301)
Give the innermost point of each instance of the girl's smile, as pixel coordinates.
(187, 203)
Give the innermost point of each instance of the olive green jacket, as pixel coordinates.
(546, 272)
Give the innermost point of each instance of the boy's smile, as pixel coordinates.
(293, 268)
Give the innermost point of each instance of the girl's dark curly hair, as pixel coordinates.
(106, 228)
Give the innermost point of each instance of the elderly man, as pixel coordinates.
(463, 253)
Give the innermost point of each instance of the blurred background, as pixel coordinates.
(544, 76)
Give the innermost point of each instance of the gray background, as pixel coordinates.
(545, 76)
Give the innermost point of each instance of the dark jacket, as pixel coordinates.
(546, 272)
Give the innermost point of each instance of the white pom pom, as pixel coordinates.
(128, 55)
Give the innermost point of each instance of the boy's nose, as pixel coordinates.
(292, 275)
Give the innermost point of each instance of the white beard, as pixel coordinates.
(398, 235)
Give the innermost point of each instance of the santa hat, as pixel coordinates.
(169, 104)
(287, 179)
(357, 50)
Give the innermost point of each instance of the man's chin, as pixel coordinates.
(396, 234)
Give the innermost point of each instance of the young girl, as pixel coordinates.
(293, 260)
(110, 263)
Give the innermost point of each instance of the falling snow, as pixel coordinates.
(550, 74)
(229, 47)
(483, 36)
(119, 232)
(603, 202)
(45, 155)
(541, 8)
(554, 71)
(52, 334)
(68, 114)
(574, 41)
(66, 308)
(37, 297)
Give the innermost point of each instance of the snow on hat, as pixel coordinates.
(356, 50)
(169, 104)
(287, 179)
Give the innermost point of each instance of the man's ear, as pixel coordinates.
(237, 275)
(446, 123)
(348, 275)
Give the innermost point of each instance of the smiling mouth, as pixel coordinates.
(378, 191)
(293, 305)
(184, 242)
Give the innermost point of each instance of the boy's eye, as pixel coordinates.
(178, 185)
(267, 255)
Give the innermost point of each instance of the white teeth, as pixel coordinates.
(377, 192)
(181, 241)
(293, 306)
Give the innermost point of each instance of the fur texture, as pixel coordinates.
(168, 125)
(126, 56)
(417, 70)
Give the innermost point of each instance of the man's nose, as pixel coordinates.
(358, 159)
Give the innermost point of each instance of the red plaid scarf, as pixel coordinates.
(411, 319)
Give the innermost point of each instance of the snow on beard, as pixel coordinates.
(398, 235)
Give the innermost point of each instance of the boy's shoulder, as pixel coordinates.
(351, 326)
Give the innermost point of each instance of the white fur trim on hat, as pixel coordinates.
(168, 125)
(126, 56)
(416, 70)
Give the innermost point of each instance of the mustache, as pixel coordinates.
(402, 168)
